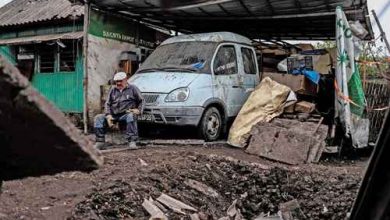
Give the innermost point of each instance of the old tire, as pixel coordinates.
(210, 126)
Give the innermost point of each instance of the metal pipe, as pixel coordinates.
(383, 34)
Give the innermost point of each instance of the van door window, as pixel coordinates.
(225, 62)
(248, 59)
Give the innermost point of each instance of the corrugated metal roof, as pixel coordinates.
(20, 12)
(284, 19)
(213, 36)
(42, 38)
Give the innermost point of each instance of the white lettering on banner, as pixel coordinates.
(127, 38)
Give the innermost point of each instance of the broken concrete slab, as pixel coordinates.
(287, 141)
(36, 138)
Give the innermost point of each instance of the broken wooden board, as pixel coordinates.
(304, 107)
(36, 138)
(153, 210)
(194, 216)
(175, 204)
(179, 142)
(201, 187)
(287, 141)
(291, 210)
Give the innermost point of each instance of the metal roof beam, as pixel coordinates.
(223, 9)
(245, 7)
(205, 12)
(189, 6)
(298, 5)
(322, 14)
(270, 6)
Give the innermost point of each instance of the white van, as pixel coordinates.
(199, 80)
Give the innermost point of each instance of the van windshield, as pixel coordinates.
(180, 57)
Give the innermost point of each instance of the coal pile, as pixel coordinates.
(258, 191)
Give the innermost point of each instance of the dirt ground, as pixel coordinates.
(117, 190)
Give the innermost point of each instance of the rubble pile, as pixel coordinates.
(213, 187)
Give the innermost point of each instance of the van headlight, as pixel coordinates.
(178, 95)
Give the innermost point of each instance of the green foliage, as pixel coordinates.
(370, 53)
(325, 45)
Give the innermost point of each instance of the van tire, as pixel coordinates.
(211, 124)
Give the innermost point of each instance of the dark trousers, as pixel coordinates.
(129, 119)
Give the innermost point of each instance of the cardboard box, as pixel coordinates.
(298, 83)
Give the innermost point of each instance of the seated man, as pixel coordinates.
(124, 103)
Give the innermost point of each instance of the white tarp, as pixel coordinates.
(349, 101)
(266, 102)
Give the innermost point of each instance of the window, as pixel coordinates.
(57, 56)
(225, 62)
(67, 57)
(47, 59)
(249, 61)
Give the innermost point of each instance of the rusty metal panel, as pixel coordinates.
(36, 138)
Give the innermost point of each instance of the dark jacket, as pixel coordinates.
(119, 102)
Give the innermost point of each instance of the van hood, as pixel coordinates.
(162, 82)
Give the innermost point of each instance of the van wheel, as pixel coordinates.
(210, 126)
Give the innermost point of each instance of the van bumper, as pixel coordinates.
(181, 116)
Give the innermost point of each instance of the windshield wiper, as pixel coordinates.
(171, 68)
(174, 68)
(150, 70)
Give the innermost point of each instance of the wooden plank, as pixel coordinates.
(175, 204)
(201, 187)
(153, 210)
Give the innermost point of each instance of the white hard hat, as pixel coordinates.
(120, 76)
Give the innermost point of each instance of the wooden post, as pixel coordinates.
(364, 76)
(85, 66)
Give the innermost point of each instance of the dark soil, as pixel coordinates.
(117, 190)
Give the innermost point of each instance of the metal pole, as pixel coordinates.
(383, 34)
(85, 66)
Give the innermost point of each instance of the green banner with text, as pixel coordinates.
(110, 26)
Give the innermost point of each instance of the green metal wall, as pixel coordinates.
(6, 52)
(64, 89)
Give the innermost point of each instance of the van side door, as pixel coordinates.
(248, 69)
(227, 83)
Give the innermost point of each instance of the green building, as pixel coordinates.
(44, 39)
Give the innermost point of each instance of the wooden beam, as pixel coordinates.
(87, 8)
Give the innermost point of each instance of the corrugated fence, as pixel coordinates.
(378, 97)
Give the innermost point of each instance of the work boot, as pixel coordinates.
(132, 145)
(100, 145)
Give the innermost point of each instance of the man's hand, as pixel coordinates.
(135, 111)
(110, 121)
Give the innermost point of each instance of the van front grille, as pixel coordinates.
(150, 98)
